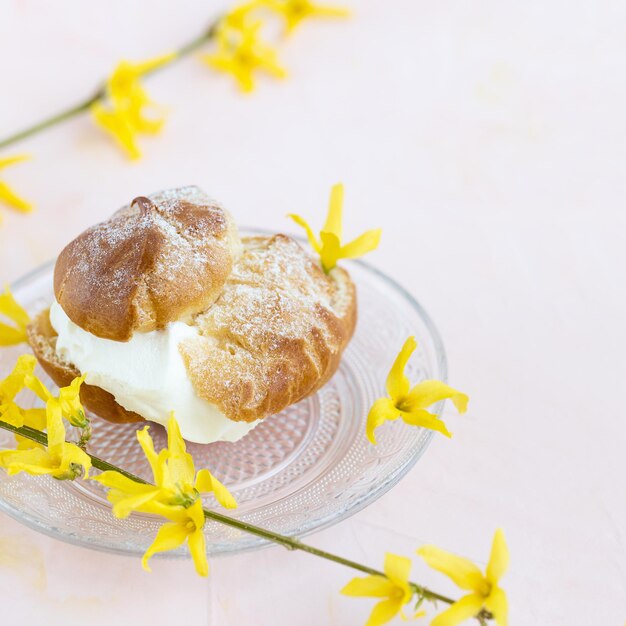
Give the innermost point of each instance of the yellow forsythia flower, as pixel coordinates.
(485, 590)
(295, 11)
(123, 112)
(394, 588)
(60, 459)
(7, 195)
(241, 52)
(22, 376)
(174, 495)
(72, 408)
(239, 18)
(35, 418)
(410, 404)
(9, 308)
(10, 412)
(186, 524)
(329, 246)
(68, 398)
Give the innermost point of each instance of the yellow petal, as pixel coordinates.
(9, 308)
(119, 482)
(369, 586)
(329, 254)
(326, 11)
(424, 419)
(429, 392)
(238, 17)
(498, 605)
(463, 609)
(150, 65)
(296, 11)
(329, 246)
(12, 414)
(315, 244)
(397, 382)
(55, 428)
(267, 60)
(180, 462)
(136, 107)
(8, 196)
(124, 505)
(384, 612)
(196, 513)
(462, 571)
(125, 494)
(118, 125)
(7, 161)
(11, 336)
(243, 75)
(197, 544)
(38, 460)
(71, 454)
(382, 410)
(397, 568)
(161, 506)
(16, 380)
(71, 392)
(241, 52)
(35, 418)
(197, 548)
(35, 461)
(207, 483)
(169, 537)
(334, 218)
(38, 388)
(25, 365)
(499, 558)
(69, 398)
(367, 242)
(329, 251)
(123, 86)
(12, 309)
(157, 461)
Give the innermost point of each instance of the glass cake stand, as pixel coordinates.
(304, 469)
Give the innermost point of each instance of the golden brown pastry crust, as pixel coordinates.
(161, 259)
(275, 335)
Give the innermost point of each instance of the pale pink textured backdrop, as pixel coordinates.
(488, 139)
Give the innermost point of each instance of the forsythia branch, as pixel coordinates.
(99, 95)
(283, 540)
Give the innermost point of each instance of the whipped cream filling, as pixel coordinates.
(146, 375)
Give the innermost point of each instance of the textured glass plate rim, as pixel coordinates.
(314, 525)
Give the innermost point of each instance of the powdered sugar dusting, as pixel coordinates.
(131, 224)
(171, 251)
(272, 293)
(275, 331)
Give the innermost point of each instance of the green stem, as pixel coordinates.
(38, 437)
(288, 542)
(51, 121)
(85, 105)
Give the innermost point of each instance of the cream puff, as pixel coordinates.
(165, 308)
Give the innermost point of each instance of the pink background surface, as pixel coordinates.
(487, 139)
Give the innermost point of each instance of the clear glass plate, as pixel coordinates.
(299, 471)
